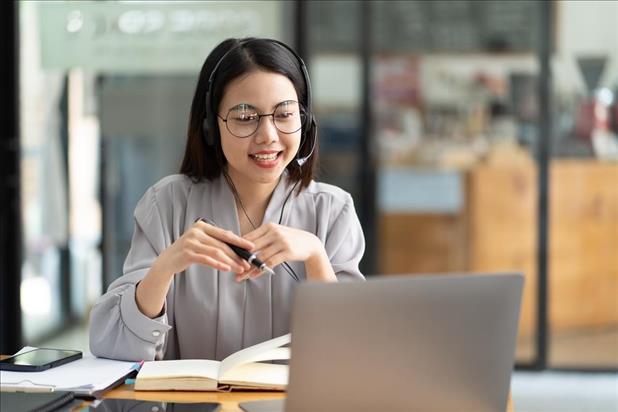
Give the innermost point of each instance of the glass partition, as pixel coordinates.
(105, 91)
(456, 125)
(336, 69)
(583, 268)
(455, 112)
(454, 93)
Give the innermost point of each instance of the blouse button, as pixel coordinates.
(156, 333)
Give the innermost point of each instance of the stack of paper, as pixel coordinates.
(89, 376)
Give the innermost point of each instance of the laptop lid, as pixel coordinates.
(402, 343)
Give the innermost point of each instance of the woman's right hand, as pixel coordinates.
(204, 244)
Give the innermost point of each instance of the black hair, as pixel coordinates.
(245, 55)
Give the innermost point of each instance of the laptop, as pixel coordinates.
(402, 343)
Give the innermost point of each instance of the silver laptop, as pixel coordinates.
(403, 343)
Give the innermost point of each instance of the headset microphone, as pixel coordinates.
(302, 160)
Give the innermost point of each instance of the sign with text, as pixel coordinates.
(129, 37)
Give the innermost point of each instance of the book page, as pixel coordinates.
(183, 368)
(273, 354)
(255, 353)
(262, 375)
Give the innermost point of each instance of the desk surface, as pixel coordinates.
(229, 401)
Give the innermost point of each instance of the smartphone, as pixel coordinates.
(38, 360)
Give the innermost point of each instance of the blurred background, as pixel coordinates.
(475, 136)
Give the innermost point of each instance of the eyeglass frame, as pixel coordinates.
(302, 110)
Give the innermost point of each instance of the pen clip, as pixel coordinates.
(26, 385)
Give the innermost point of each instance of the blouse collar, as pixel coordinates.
(224, 205)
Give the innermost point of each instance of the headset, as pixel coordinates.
(210, 120)
(308, 131)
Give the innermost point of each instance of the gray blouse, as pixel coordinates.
(207, 314)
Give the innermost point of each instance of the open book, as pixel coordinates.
(241, 370)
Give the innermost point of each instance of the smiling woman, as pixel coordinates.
(246, 182)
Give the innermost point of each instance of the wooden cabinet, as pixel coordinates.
(497, 230)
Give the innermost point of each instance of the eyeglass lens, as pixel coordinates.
(243, 120)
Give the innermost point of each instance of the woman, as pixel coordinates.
(246, 180)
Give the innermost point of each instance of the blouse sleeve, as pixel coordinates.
(345, 243)
(118, 329)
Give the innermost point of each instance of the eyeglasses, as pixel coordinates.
(243, 120)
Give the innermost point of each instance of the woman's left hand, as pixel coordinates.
(277, 244)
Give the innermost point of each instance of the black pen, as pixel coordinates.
(243, 253)
(251, 258)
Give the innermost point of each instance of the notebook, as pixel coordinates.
(34, 402)
(244, 369)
